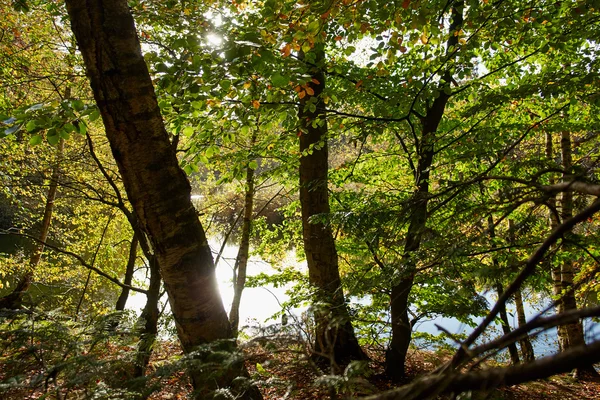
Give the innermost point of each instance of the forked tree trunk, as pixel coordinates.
(334, 335)
(156, 186)
(574, 331)
(15, 299)
(241, 261)
(395, 358)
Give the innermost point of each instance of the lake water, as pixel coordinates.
(259, 304)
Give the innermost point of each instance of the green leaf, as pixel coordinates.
(225, 84)
(188, 131)
(94, 115)
(82, 128)
(69, 127)
(31, 126)
(253, 164)
(279, 80)
(53, 139)
(35, 140)
(77, 105)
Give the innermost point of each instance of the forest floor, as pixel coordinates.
(284, 373)
(284, 376)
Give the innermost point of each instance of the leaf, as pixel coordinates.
(286, 50)
(255, 104)
(302, 94)
(82, 128)
(94, 115)
(69, 127)
(225, 84)
(77, 105)
(31, 126)
(53, 139)
(310, 91)
(188, 131)
(253, 164)
(35, 140)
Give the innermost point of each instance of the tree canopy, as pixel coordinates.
(419, 157)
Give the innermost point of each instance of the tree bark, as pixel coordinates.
(241, 261)
(156, 186)
(574, 332)
(555, 268)
(399, 300)
(334, 335)
(122, 300)
(525, 343)
(512, 348)
(149, 321)
(15, 299)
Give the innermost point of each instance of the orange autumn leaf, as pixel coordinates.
(302, 94)
(315, 81)
(310, 91)
(298, 88)
(286, 50)
(255, 104)
(406, 4)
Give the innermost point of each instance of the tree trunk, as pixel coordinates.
(525, 343)
(149, 319)
(15, 299)
(555, 268)
(335, 341)
(241, 262)
(574, 332)
(156, 186)
(399, 301)
(122, 300)
(512, 348)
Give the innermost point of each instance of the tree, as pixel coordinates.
(156, 186)
(334, 335)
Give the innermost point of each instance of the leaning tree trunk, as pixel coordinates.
(512, 348)
(149, 320)
(15, 299)
(156, 186)
(574, 331)
(334, 335)
(241, 262)
(122, 300)
(395, 358)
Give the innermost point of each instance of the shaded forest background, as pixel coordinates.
(414, 156)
